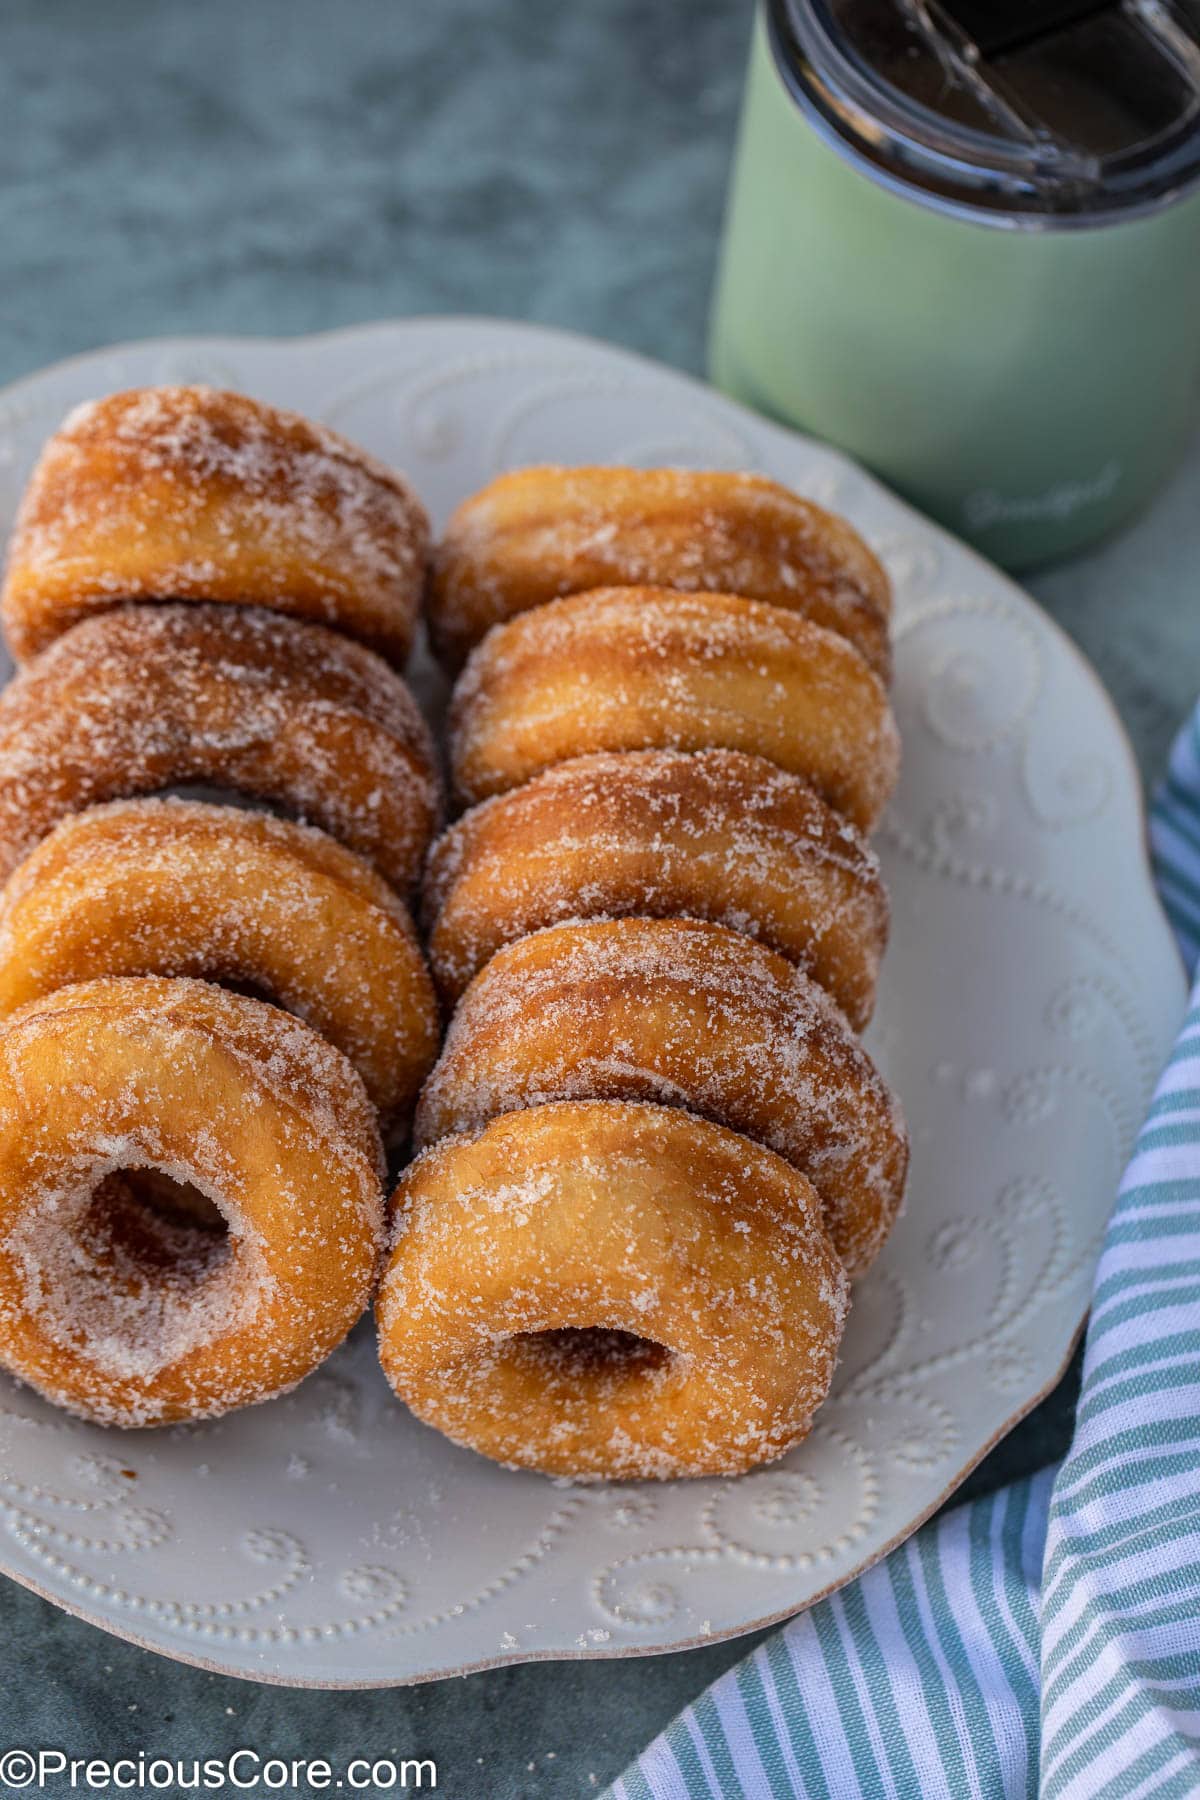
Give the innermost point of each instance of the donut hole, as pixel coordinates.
(254, 990)
(209, 793)
(590, 1353)
(141, 1231)
(213, 794)
(131, 1268)
(131, 1203)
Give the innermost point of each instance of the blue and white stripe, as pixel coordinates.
(1175, 839)
(1044, 1640)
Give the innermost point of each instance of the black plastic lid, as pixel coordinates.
(1053, 112)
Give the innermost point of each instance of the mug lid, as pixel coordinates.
(1046, 112)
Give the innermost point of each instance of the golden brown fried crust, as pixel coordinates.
(149, 697)
(645, 669)
(686, 1014)
(539, 533)
(187, 493)
(714, 834)
(611, 1290)
(173, 887)
(130, 1317)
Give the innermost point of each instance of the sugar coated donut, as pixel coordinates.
(186, 493)
(611, 1290)
(712, 835)
(536, 534)
(174, 887)
(645, 669)
(115, 1097)
(151, 697)
(687, 1014)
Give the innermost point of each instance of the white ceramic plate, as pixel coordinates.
(1029, 996)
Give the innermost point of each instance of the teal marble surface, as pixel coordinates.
(288, 166)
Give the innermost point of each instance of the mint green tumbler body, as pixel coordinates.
(1023, 365)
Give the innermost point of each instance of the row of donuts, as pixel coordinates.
(207, 1013)
(545, 1339)
(171, 556)
(652, 1149)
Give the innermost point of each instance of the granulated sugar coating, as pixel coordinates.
(149, 697)
(610, 1289)
(688, 1014)
(647, 669)
(662, 833)
(130, 1317)
(187, 493)
(658, 1151)
(174, 887)
(536, 534)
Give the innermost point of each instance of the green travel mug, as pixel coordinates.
(963, 244)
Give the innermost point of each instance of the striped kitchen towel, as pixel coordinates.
(1044, 1640)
